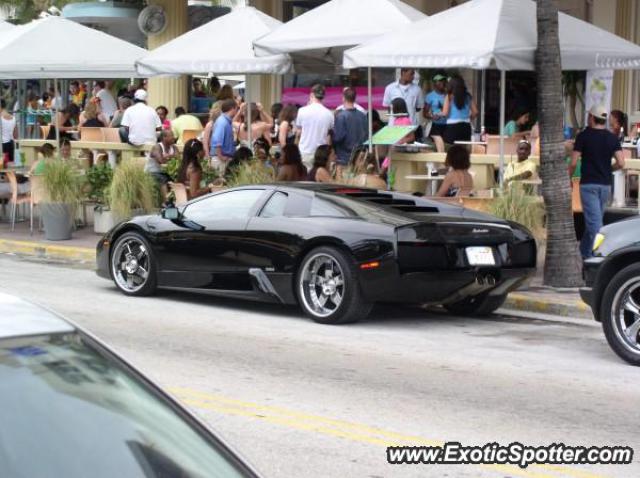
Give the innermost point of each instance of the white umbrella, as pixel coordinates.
(58, 48)
(4, 27)
(323, 33)
(501, 34)
(336, 25)
(223, 45)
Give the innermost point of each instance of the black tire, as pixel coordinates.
(140, 250)
(479, 306)
(351, 308)
(615, 318)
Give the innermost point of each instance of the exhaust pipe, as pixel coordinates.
(478, 286)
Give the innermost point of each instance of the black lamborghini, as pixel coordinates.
(334, 250)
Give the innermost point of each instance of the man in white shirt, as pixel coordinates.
(107, 101)
(411, 94)
(314, 123)
(141, 121)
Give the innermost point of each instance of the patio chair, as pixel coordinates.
(111, 135)
(16, 199)
(91, 134)
(478, 149)
(5, 193)
(576, 202)
(188, 134)
(36, 196)
(510, 145)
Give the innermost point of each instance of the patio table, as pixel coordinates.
(432, 182)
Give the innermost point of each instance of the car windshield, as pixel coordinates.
(67, 409)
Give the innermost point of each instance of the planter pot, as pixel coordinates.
(86, 213)
(105, 219)
(58, 220)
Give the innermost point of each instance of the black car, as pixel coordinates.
(332, 249)
(612, 289)
(70, 407)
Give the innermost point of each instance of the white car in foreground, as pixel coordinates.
(69, 407)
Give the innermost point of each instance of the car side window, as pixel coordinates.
(276, 205)
(230, 205)
(322, 207)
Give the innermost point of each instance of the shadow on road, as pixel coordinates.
(381, 314)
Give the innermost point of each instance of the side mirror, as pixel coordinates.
(171, 213)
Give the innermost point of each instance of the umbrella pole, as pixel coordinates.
(1, 145)
(503, 87)
(370, 108)
(248, 118)
(483, 79)
(55, 92)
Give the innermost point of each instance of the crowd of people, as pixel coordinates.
(296, 143)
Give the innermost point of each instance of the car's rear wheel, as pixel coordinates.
(327, 287)
(480, 305)
(620, 313)
(132, 266)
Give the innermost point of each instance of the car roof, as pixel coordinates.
(307, 186)
(19, 318)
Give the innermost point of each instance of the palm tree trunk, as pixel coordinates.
(562, 266)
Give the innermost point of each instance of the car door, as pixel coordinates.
(204, 251)
(277, 234)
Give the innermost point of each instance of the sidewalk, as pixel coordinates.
(80, 251)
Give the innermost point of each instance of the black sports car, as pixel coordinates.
(332, 249)
(613, 286)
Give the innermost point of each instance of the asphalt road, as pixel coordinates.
(299, 399)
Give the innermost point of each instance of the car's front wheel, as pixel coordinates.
(132, 266)
(481, 305)
(620, 313)
(327, 287)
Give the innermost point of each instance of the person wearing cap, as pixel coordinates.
(433, 104)
(314, 124)
(406, 89)
(595, 146)
(141, 121)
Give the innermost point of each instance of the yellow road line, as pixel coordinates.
(343, 429)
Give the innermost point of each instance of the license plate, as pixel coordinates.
(480, 256)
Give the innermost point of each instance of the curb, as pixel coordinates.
(566, 308)
(81, 256)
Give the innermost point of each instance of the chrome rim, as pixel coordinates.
(130, 264)
(626, 314)
(322, 285)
